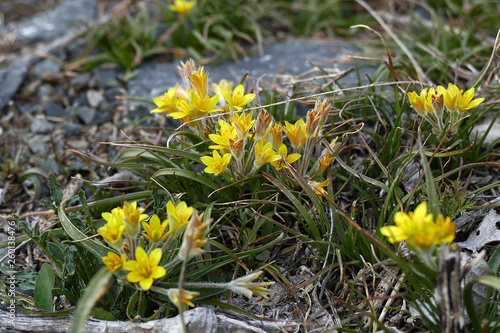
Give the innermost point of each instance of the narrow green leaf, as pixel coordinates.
(488, 280)
(430, 186)
(96, 248)
(186, 174)
(55, 190)
(97, 287)
(43, 288)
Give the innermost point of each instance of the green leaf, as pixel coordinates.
(488, 280)
(430, 186)
(186, 174)
(55, 190)
(97, 287)
(43, 288)
(74, 233)
(85, 207)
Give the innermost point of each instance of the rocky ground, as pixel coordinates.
(47, 110)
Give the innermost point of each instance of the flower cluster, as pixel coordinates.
(197, 103)
(122, 231)
(242, 142)
(420, 229)
(431, 104)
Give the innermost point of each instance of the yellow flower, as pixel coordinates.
(264, 153)
(183, 298)
(167, 102)
(283, 152)
(112, 232)
(228, 85)
(197, 106)
(242, 124)
(114, 262)
(155, 230)
(132, 216)
(419, 228)
(238, 100)
(185, 71)
(455, 101)
(216, 164)
(199, 81)
(245, 285)
(194, 237)
(226, 132)
(182, 7)
(325, 161)
(319, 188)
(178, 217)
(145, 268)
(421, 103)
(296, 133)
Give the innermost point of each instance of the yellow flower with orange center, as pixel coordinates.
(154, 230)
(112, 232)
(114, 262)
(132, 216)
(264, 153)
(296, 133)
(178, 217)
(419, 228)
(283, 152)
(238, 99)
(242, 124)
(167, 102)
(216, 163)
(319, 188)
(144, 269)
(221, 139)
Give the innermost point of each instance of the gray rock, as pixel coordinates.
(65, 17)
(107, 77)
(81, 81)
(44, 93)
(86, 114)
(54, 110)
(27, 108)
(10, 80)
(481, 127)
(45, 67)
(41, 126)
(80, 100)
(287, 57)
(94, 98)
(38, 147)
(72, 130)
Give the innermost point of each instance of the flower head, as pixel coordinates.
(154, 230)
(245, 285)
(167, 102)
(324, 162)
(132, 216)
(283, 152)
(194, 237)
(319, 188)
(114, 262)
(242, 124)
(264, 153)
(262, 125)
(421, 103)
(112, 232)
(455, 101)
(296, 133)
(216, 164)
(277, 135)
(216, 88)
(145, 268)
(181, 299)
(420, 229)
(226, 132)
(182, 6)
(178, 217)
(199, 82)
(238, 100)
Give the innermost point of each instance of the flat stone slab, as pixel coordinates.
(10, 80)
(55, 23)
(288, 57)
